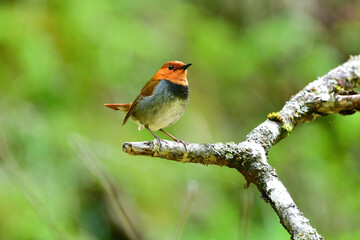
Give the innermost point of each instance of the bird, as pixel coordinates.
(161, 102)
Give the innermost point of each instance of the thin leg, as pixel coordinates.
(175, 139)
(157, 138)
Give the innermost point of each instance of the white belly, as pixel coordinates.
(168, 116)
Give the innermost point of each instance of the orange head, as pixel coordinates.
(174, 71)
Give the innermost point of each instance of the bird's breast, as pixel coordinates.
(164, 107)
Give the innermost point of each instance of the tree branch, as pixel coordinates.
(344, 104)
(327, 94)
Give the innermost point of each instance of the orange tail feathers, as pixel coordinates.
(124, 107)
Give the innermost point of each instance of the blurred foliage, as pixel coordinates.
(60, 60)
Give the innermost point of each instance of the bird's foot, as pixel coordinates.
(183, 142)
(175, 139)
(159, 142)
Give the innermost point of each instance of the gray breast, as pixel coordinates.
(164, 107)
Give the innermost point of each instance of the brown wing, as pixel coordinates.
(124, 107)
(146, 91)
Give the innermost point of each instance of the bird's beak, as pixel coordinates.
(185, 66)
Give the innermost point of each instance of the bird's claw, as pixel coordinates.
(159, 143)
(184, 143)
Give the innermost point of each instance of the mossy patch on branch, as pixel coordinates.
(288, 127)
(339, 88)
(275, 116)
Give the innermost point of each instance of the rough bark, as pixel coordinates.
(331, 93)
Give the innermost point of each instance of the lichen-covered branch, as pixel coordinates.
(328, 94)
(309, 103)
(249, 158)
(346, 104)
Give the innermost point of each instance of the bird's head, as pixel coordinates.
(173, 71)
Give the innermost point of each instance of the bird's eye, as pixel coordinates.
(171, 67)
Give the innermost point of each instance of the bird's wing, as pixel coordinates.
(146, 91)
(124, 107)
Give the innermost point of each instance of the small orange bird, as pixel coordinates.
(161, 102)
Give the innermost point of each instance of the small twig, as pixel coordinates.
(17, 175)
(191, 189)
(121, 215)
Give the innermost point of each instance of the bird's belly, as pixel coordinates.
(164, 107)
(160, 114)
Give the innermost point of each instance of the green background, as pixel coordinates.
(61, 60)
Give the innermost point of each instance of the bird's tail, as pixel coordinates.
(124, 107)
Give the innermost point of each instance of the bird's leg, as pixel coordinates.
(157, 138)
(175, 139)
